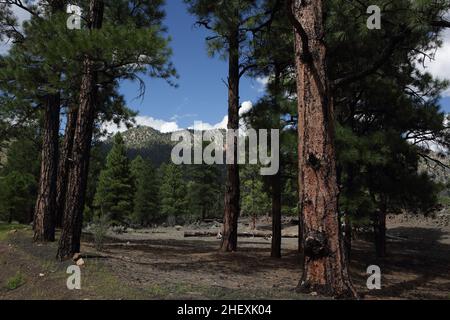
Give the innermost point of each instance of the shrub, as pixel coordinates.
(15, 282)
(99, 229)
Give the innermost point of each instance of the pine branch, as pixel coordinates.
(381, 61)
(441, 23)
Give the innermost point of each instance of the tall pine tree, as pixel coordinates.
(146, 194)
(173, 193)
(114, 196)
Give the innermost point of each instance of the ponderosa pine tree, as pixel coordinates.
(173, 192)
(410, 32)
(46, 205)
(325, 268)
(233, 23)
(46, 97)
(69, 243)
(146, 192)
(130, 42)
(64, 162)
(255, 198)
(114, 196)
(203, 188)
(19, 178)
(270, 112)
(374, 91)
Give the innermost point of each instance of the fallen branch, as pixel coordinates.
(253, 234)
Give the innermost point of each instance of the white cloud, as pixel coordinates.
(440, 66)
(246, 106)
(22, 16)
(160, 125)
(262, 83)
(199, 125)
(172, 126)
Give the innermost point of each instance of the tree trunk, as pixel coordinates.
(379, 228)
(325, 269)
(276, 216)
(78, 173)
(45, 209)
(300, 231)
(64, 162)
(276, 179)
(348, 237)
(232, 192)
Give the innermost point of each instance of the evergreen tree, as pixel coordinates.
(146, 196)
(114, 195)
(204, 188)
(255, 196)
(123, 39)
(18, 179)
(233, 24)
(15, 201)
(325, 268)
(173, 193)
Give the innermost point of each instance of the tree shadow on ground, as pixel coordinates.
(416, 267)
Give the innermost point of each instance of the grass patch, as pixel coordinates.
(15, 282)
(6, 229)
(445, 201)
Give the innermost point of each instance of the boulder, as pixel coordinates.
(80, 262)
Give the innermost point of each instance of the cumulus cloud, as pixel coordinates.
(245, 108)
(22, 16)
(262, 83)
(440, 66)
(160, 125)
(172, 126)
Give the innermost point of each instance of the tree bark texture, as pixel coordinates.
(78, 173)
(325, 269)
(232, 192)
(45, 209)
(64, 162)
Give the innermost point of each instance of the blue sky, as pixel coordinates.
(201, 94)
(445, 103)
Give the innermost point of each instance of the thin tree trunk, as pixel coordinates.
(276, 179)
(300, 230)
(45, 209)
(379, 227)
(348, 234)
(76, 189)
(64, 162)
(232, 192)
(276, 216)
(325, 269)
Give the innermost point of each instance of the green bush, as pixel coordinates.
(15, 282)
(99, 229)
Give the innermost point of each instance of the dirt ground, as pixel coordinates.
(162, 264)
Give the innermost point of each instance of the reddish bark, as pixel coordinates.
(325, 269)
(232, 192)
(69, 243)
(64, 163)
(45, 210)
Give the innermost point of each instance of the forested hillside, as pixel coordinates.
(148, 143)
